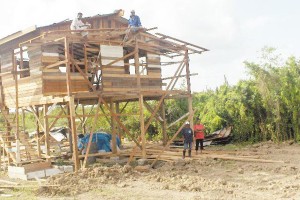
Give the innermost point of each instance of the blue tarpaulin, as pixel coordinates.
(101, 139)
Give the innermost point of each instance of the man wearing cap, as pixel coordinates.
(134, 21)
(187, 134)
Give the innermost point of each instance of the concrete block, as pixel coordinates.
(36, 174)
(142, 162)
(52, 171)
(115, 158)
(60, 167)
(17, 176)
(16, 170)
(68, 168)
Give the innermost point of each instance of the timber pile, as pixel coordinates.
(171, 154)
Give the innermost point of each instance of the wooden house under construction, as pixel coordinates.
(52, 67)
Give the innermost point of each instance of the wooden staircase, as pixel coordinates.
(17, 151)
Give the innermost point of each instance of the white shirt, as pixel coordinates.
(77, 24)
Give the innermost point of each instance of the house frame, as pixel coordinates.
(53, 67)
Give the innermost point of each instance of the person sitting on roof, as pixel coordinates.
(134, 21)
(77, 24)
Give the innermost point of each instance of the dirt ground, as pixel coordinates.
(263, 171)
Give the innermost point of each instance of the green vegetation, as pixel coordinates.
(266, 107)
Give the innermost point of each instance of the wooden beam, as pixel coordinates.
(142, 124)
(84, 75)
(180, 76)
(157, 116)
(188, 82)
(74, 133)
(37, 137)
(68, 70)
(37, 118)
(122, 58)
(47, 134)
(164, 123)
(182, 117)
(120, 123)
(171, 140)
(186, 43)
(91, 135)
(58, 116)
(113, 128)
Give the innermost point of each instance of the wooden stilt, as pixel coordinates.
(46, 131)
(74, 133)
(113, 127)
(38, 142)
(118, 127)
(188, 81)
(83, 125)
(18, 156)
(171, 140)
(91, 135)
(164, 123)
(143, 135)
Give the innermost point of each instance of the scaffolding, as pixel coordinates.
(65, 71)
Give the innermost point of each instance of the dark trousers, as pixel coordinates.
(197, 144)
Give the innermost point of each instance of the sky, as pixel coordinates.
(233, 30)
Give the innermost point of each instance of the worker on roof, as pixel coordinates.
(77, 24)
(134, 21)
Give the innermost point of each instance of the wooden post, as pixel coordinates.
(83, 124)
(46, 130)
(7, 139)
(118, 127)
(23, 120)
(141, 99)
(70, 130)
(74, 133)
(68, 71)
(188, 81)
(164, 123)
(113, 127)
(91, 134)
(38, 142)
(142, 124)
(137, 65)
(18, 156)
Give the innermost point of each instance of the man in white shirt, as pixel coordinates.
(77, 24)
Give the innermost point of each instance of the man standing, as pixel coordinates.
(187, 134)
(199, 134)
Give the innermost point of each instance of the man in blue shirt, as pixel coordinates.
(187, 134)
(134, 21)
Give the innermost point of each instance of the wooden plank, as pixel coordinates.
(130, 76)
(37, 166)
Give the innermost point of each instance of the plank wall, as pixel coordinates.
(54, 79)
(115, 79)
(29, 88)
